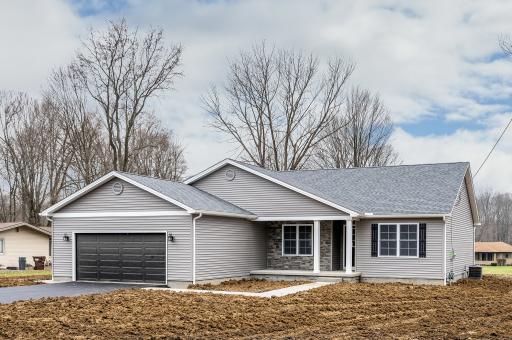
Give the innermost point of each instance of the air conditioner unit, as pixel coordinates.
(475, 272)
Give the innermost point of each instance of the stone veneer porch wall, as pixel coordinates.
(275, 259)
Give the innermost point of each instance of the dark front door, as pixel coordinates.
(337, 245)
(123, 257)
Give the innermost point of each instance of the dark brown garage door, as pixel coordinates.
(121, 257)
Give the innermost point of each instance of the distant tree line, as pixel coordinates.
(495, 210)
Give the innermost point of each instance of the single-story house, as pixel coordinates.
(20, 239)
(487, 253)
(410, 223)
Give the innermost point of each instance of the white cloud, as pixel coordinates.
(424, 58)
(462, 146)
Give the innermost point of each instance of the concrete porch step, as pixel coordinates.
(326, 276)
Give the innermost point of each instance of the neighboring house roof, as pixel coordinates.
(423, 189)
(493, 247)
(192, 199)
(11, 225)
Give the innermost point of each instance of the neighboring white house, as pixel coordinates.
(20, 239)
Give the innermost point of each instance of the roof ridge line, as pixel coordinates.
(352, 168)
(147, 176)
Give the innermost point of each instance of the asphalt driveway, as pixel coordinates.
(12, 294)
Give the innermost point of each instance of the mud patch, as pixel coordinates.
(248, 285)
(476, 309)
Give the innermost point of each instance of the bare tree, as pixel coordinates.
(359, 136)
(157, 151)
(277, 104)
(35, 152)
(122, 72)
(90, 156)
(10, 104)
(495, 211)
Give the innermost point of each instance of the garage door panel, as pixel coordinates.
(121, 257)
(154, 251)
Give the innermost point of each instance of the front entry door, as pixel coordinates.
(338, 245)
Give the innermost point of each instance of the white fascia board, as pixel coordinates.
(472, 197)
(102, 180)
(467, 181)
(78, 194)
(224, 214)
(122, 214)
(367, 217)
(269, 178)
(302, 218)
(207, 171)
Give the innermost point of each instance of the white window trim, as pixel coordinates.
(296, 225)
(398, 240)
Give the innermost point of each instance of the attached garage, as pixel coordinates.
(129, 228)
(121, 257)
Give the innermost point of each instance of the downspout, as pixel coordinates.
(194, 247)
(53, 239)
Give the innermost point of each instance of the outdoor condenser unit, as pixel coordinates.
(475, 272)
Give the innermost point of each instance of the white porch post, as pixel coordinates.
(348, 247)
(316, 246)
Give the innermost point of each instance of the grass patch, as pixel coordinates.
(11, 278)
(497, 270)
(24, 273)
(247, 285)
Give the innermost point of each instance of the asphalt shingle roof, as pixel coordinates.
(388, 190)
(493, 247)
(188, 195)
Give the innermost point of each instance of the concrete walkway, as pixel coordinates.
(271, 293)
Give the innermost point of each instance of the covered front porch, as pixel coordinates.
(322, 249)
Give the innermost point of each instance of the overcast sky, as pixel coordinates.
(436, 64)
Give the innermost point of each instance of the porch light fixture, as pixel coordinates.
(65, 238)
(170, 237)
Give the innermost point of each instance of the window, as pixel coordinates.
(388, 239)
(484, 257)
(408, 240)
(2, 246)
(398, 240)
(297, 239)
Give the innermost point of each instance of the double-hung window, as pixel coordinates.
(398, 239)
(297, 239)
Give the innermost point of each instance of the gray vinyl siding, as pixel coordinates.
(460, 236)
(179, 255)
(228, 247)
(132, 198)
(262, 197)
(430, 267)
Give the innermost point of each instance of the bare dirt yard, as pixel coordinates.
(11, 278)
(476, 309)
(247, 285)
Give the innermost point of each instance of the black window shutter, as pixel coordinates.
(423, 240)
(375, 239)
